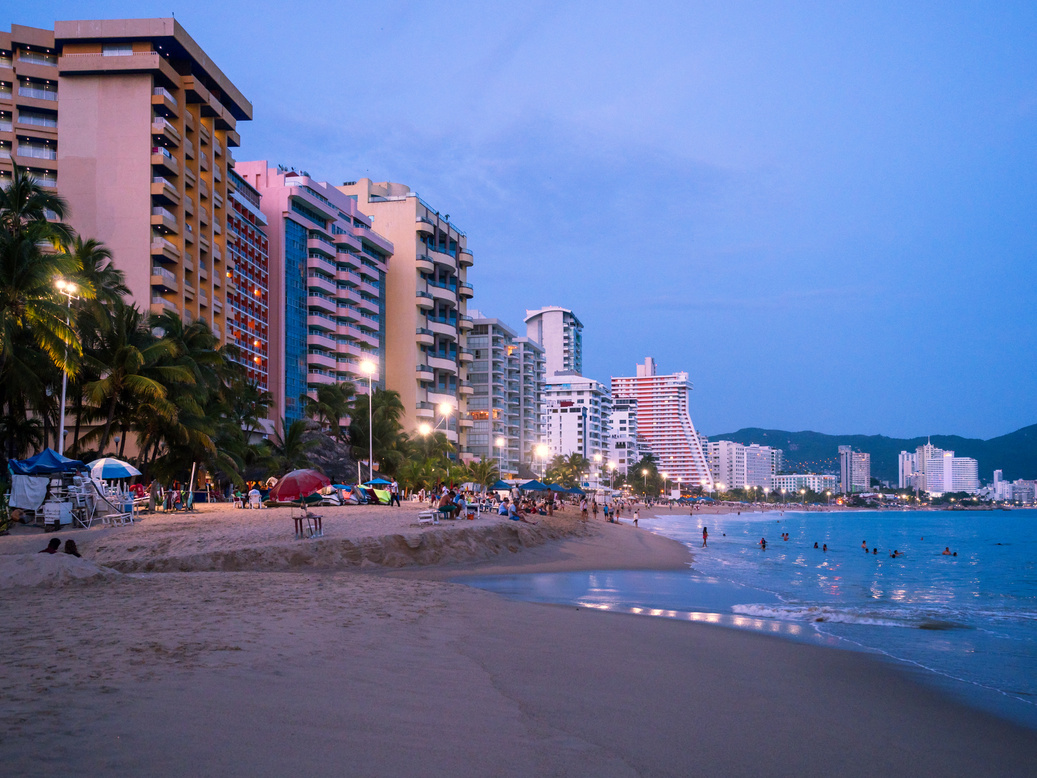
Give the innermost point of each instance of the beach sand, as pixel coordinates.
(359, 668)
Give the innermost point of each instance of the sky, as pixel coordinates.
(823, 212)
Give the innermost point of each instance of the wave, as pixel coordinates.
(834, 615)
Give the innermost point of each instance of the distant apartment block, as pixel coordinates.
(248, 281)
(427, 294)
(507, 376)
(145, 125)
(577, 411)
(727, 464)
(29, 103)
(792, 485)
(327, 298)
(561, 334)
(854, 470)
(625, 448)
(934, 470)
(664, 422)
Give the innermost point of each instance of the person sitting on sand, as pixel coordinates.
(70, 548)
(502, 509)
(947, 551)
(52, 547)
(448, 506)
(516, 515)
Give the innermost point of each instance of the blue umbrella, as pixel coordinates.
(110, 467)
(378, 481)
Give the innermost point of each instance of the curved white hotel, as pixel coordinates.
(664, 423)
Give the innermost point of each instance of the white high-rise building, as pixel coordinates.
(854, 470)
(727, 464)
(624, 448)
(664, 422)
(907, 466)
(937, 471)
(762, 463)
(561, 334)
(577, 411)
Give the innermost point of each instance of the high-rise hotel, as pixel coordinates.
(327, 298)
(428, 292)
(663, 420)
(134, 124)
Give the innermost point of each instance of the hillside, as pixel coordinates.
(1015, 453)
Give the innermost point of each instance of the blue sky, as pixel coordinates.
(823, 212)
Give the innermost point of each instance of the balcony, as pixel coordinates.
(165, 249)
(160, 305)
(465, 355)
(424, 264)
(425, 372)
(466, 391)
(165, 218)
(466, 290)
(316, 377)
(164, 280)
(465, 323)
(162, 128)
(424, 336)
(162, 99)
(321, 322)
(443, 259)
(424, 301)
(321, 341)
(444, 294)
(443, 328)
(322, 360)
(425, 410)
(465, 423)
(425, 225)
(163, 161)
(441, 363)
(164, 189)
(320, 303)
(464, 257)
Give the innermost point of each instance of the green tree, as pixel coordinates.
(290, 447)
(389, 441)
(484, 473)
(333, 402)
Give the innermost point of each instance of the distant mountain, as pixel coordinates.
(1015, 453)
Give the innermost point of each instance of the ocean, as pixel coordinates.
(965, 623)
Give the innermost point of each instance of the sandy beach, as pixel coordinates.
(217, 644)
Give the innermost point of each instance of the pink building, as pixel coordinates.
(327, 285)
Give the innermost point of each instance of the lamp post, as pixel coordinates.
(666, 477)
(500, 442)
(803, 495)
(644, 472)
(368, 368)
(541, 451)
(68, 289)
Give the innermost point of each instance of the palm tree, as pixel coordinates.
(129, 363)
(332, 404)
(24, 201)
(415, 474)
(389, 440)
(484, 473)
(290, 446)
(434, 445)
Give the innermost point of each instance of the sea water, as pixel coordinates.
(967, 623)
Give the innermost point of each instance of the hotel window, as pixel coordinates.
(117, 49)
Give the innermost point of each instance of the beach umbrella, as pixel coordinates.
(108, 468)
(501, 485)
(559, 488)
(377, 482)
(46, 462)
(299, 484)
(534, 486)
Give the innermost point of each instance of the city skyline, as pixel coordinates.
(802, 200)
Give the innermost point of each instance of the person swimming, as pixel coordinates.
(895, 554)
(825, 548)
(815, 545)
(875, 550)
(763, 543)
(864, 545)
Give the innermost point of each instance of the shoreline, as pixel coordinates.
(395, 671)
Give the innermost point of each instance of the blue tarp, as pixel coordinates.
(46, 462)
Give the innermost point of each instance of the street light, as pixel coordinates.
(542, 451)
(665, 478)
(68, 289)
(500, 442)
(367, 368)
(644, 472)
(612, 475)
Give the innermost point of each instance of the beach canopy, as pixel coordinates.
(534, 486)
(109, 467)
(559, 488)
(576, 490)
(501, 485)
(299, 484)
(377, 482)
(46, 462)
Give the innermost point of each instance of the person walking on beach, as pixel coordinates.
(705, 536)
(594, 509)
(394, 494)
(637, 515)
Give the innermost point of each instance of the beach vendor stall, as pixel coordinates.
(40, 487)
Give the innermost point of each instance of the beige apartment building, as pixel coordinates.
(133, 123)
(29, 103)
(427, 294)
